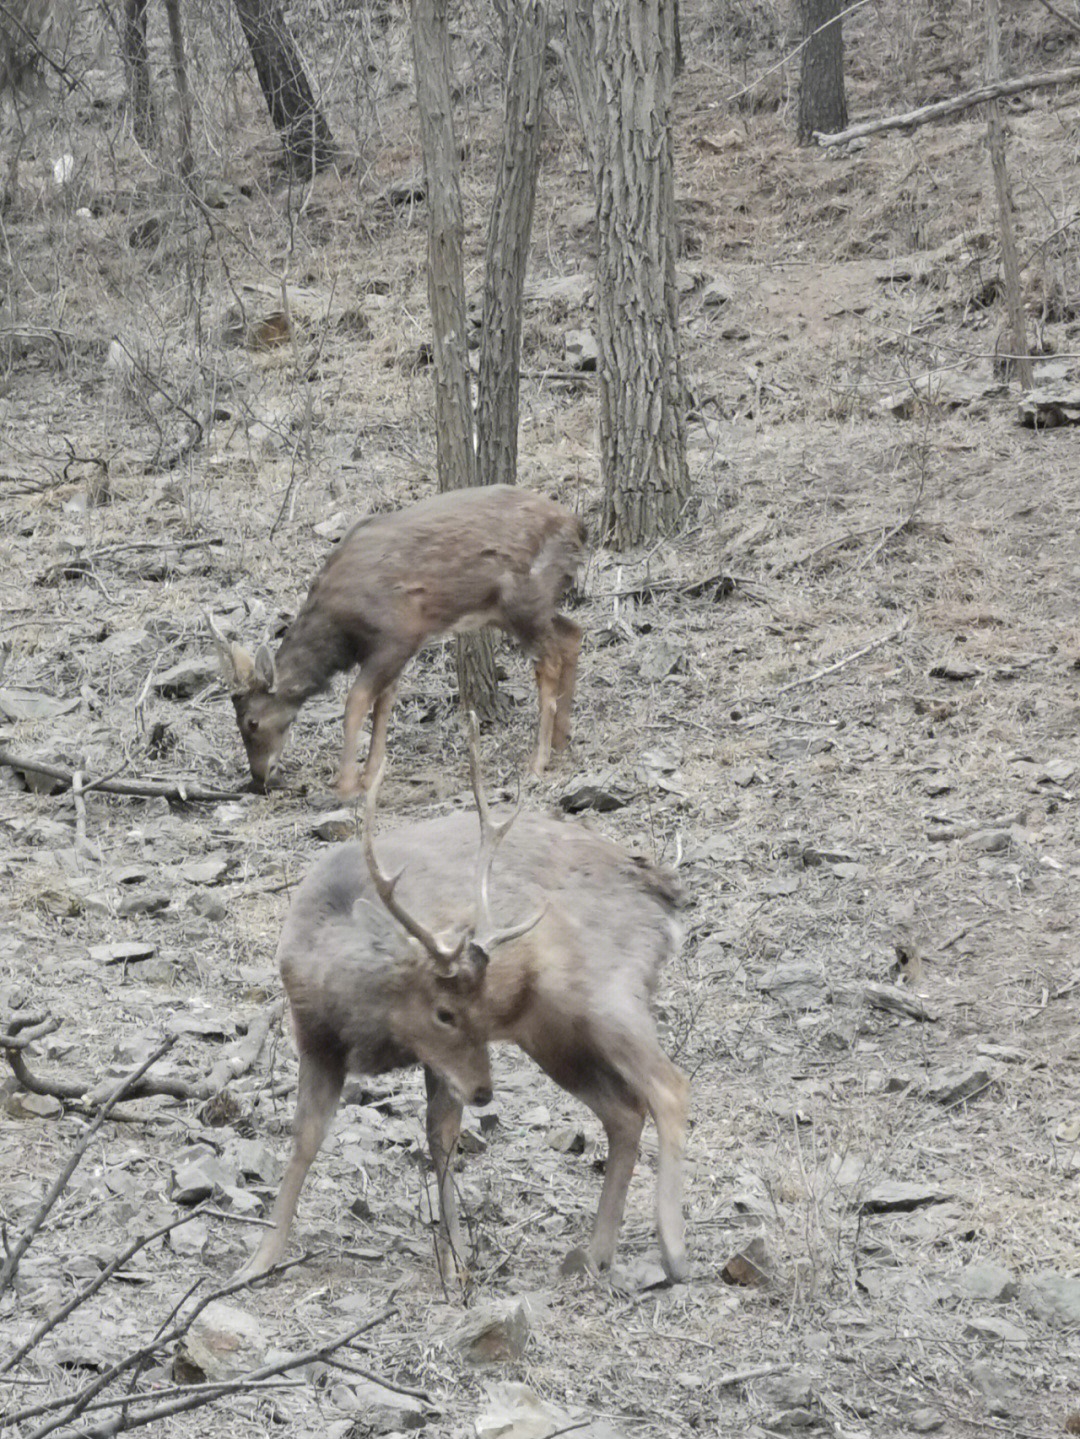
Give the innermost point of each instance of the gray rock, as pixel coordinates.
(1052, 1297)
(210, 906)
(492, 1333)
(987, 1281)
(187, 678)
(995, 1330)
(799, 985)
(993, 1384)
(925, 1420)
(581, 349)
(953, 1086)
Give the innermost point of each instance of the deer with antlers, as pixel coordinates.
(495, 555)
(372, 988)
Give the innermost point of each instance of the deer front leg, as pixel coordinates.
(318, 1092)
(443, 1128)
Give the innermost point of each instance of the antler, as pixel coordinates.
(444, 955)
(485, 936)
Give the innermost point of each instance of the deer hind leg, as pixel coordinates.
(318, 1092)
(361, 698)
(549, 668)
(568, 635)
(668, 1096)
(380, 716)
(443, 1128)
(653, 1083)
(623, 1117)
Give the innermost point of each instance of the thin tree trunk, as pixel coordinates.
(642, 409)
(822, 99)
(454, 434)
(137, 62)
(1010, 264)
(305, 135)
(176, 35)
(509, 232)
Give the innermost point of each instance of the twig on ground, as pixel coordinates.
(847, 659)
(27, 1030)
(744, 1376)
(206, 1395)
(89, 1290)
(1059, 15)
(241, 1056)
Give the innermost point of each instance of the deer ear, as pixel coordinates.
(476, 961)
(243, 668)
(263, 667)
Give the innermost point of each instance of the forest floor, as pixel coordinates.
(862, 753)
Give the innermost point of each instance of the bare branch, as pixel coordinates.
(11, 1263)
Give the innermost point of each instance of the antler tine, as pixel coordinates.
(484, 933)
(444, 955)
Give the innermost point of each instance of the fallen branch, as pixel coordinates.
(140, 789)
(238, 1059)
(242, 1055)
(892, 999)
(938, 111)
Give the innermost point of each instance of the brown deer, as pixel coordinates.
(494, 555)
(570, 985)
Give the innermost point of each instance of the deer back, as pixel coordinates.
(491, 555)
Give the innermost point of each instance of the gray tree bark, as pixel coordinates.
(822, 98)
(454, 437)
(1019, 361)
(305, 135)
(509, 232)
(137, 63)
(183, 91)
(622, 61)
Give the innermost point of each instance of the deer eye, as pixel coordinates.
(447, 1018)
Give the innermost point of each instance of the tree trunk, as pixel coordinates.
(176, 35)
(454, 434)
(1018, 359)
(624, 88)
(305, 135)
(508, 237)
(137, 63)
(822, 102)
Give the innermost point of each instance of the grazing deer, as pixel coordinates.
(494, 555)
(570, 985)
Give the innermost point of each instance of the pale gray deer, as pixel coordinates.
(559, 954)
(494, 555)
